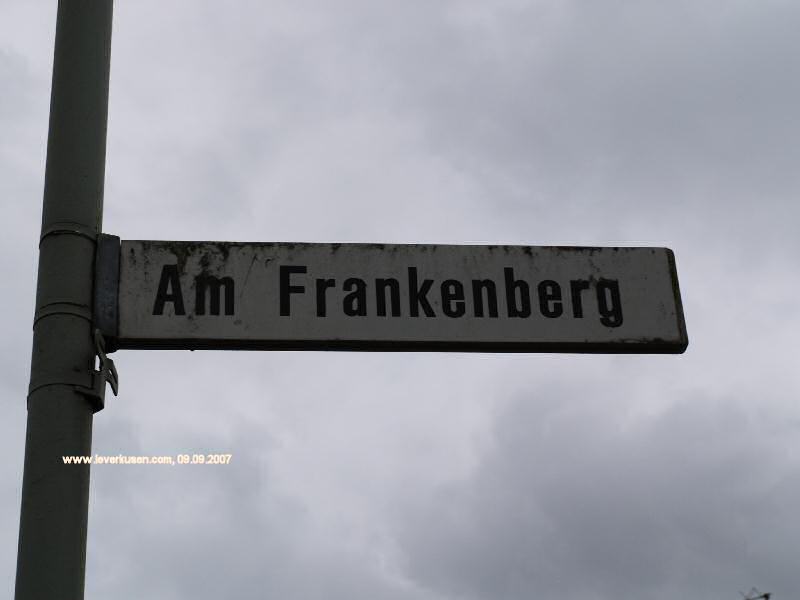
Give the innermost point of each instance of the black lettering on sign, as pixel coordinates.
(214, 286)
(355, 303)
(491, 296)
(286, 288)
(381, 285)
(169, 281)
(523, 310)
(576, 287)
(322, 287)
(610, 314)
(453, 303)
(550, 299)
(417, 294)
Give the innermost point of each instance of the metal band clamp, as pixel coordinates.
(106, 374)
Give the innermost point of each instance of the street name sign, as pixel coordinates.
(298, 296)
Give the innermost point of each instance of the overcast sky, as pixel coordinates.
(439, 476)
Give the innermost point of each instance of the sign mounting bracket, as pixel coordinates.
(106, 287)
(107, 373)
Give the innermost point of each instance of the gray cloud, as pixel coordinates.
(439, 476)
(575, 502)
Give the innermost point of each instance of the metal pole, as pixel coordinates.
(51, 559)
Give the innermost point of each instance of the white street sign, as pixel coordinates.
(189, 295)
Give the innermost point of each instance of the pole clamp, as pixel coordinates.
(106, 374)
(68, 228)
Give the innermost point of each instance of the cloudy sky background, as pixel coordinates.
(439, 476)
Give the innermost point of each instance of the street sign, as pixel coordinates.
(269, 296)
(297, 296)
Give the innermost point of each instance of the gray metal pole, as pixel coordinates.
(52, 538)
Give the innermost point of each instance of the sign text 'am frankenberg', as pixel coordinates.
(398, 297)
